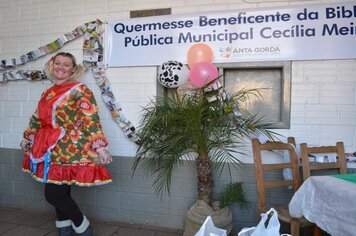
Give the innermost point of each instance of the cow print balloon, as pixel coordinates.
(172, 74)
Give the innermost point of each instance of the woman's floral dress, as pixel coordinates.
(65, 132)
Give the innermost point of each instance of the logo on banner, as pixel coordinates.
(230, 51)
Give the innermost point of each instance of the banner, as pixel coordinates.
(297, 32)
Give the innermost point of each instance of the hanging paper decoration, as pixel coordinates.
(23, 75)
(216, 93)
(12, 63)
(92, 58)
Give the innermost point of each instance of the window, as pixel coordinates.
(274, 79)
(150, 12)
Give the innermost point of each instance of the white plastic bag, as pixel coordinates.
(246, 231)
(272, 229)
(208, 229)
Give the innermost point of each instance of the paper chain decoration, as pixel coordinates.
(216, 92)
(92, 58)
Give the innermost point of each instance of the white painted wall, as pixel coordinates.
(323, 92)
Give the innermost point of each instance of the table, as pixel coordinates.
(329, 202)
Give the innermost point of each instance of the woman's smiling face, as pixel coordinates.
(63, 68)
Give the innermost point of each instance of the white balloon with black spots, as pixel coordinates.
(172, 74)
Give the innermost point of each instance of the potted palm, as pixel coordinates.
(193, 127)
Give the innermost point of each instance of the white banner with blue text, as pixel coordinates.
(296, 32)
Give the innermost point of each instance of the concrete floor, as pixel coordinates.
(18, 222)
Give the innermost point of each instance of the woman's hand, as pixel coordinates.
(104, 155)
(25, 146)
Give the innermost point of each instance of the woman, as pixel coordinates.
(64, 143)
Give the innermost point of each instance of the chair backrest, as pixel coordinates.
(309, 166)
(262, 183)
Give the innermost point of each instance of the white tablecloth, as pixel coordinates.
(328, 202)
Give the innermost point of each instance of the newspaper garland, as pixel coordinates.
(92, 58)
(216, 92)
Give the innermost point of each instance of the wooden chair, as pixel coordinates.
(263, 183)
(309, 166)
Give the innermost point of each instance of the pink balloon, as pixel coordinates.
(202, 73)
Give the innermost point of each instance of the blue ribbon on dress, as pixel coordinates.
(33, 167)
(46, 167)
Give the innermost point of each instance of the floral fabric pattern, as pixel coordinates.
(77, 114)
(68, 117)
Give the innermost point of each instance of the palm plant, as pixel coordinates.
(233, 193)
(191, 126)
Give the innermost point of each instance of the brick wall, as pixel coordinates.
(323, 102)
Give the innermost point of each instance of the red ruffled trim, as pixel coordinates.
(86, 175)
